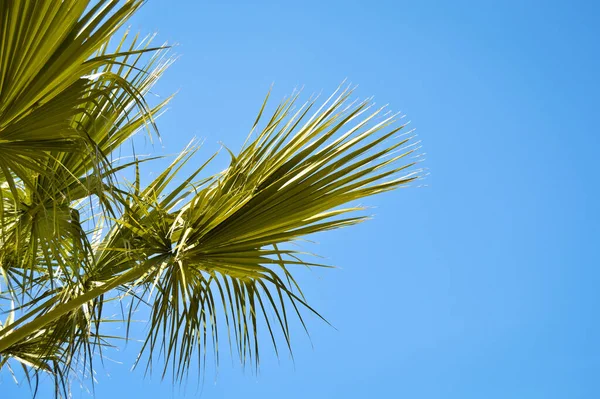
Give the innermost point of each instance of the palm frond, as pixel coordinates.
(78, 98)
(209, 257)
(67, 101)
(229, 251)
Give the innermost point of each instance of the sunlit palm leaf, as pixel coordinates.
(66, 102)
(288, 182)
(206, 251)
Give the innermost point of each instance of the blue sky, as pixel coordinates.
(484, 283)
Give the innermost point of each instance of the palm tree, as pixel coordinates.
(74, 237)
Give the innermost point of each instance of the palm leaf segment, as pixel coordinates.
(207, 249)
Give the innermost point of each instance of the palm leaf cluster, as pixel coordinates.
(200, 253)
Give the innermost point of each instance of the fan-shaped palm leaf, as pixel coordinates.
(207, 249)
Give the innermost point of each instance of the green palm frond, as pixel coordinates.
(67, 101)
(208, 258)
(290, 181)
(76, 98)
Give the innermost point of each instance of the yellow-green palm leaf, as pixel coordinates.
(208, 258)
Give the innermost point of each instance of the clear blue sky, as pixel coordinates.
(484, 284)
